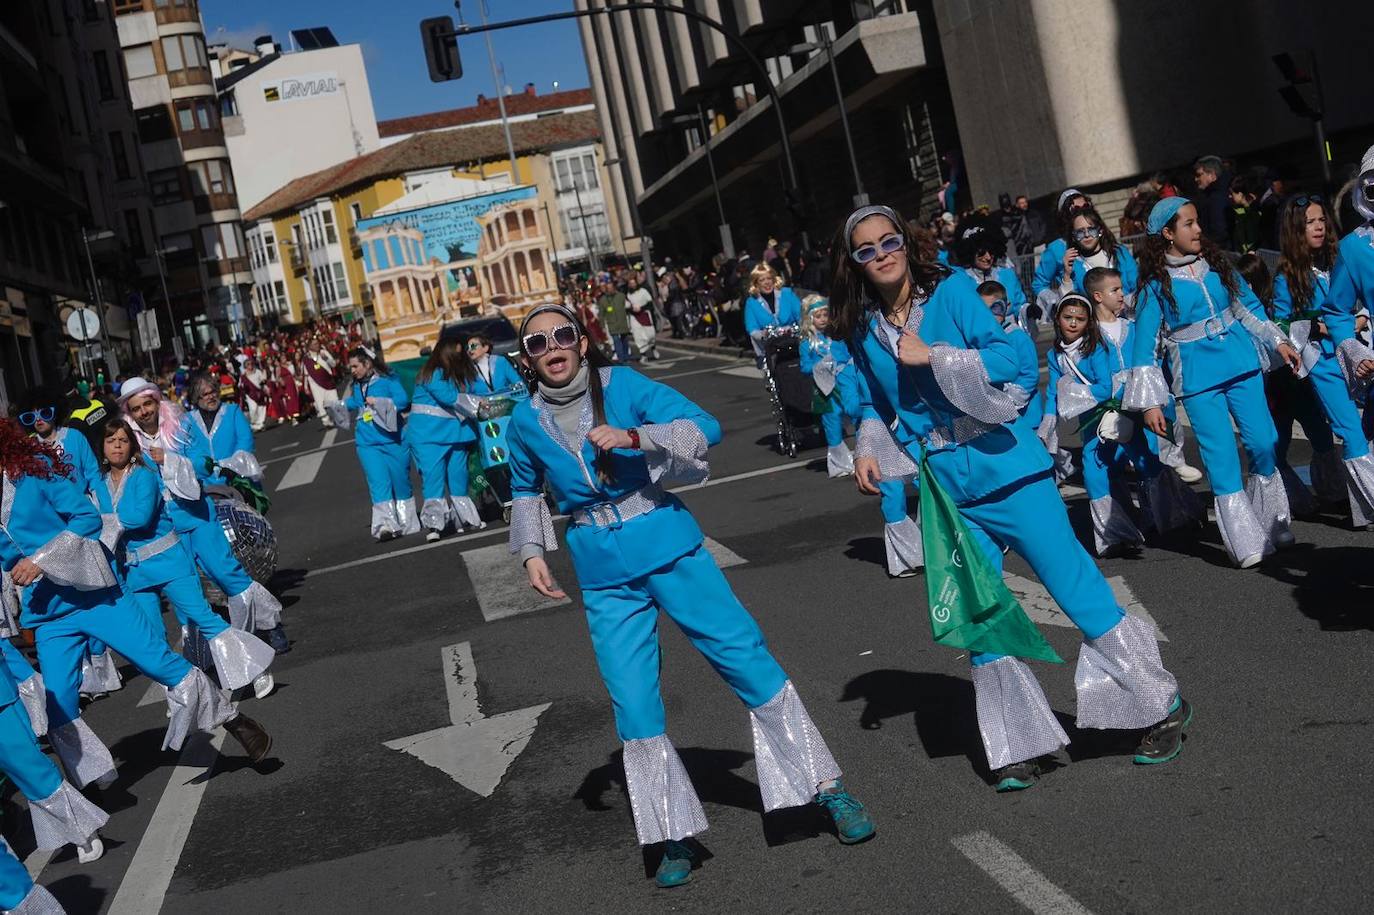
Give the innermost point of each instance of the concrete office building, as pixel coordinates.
(199, 243)
(1035, 94)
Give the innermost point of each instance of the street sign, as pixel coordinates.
(83, 324)
(148, 332)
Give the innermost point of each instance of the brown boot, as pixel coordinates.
(254, 739)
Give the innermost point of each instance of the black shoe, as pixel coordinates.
(253, 737)
(1164, 741)
(1016, 777)
(276, 637)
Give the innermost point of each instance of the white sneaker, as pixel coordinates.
(1249, 562)
(432, 535)
(91, 851)
(1188, 473)
(263, 686)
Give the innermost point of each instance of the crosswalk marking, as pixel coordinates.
(503, 590)
(302, 471)
(1042, 608)
(743, 371)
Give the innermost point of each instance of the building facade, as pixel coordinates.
(199, 244)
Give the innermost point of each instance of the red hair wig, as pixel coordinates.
(23, 455)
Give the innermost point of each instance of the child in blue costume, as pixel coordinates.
(1025, 389)
(1050, 269)
(221, 431)
(769, 304)
(49, 544)
(606, 441)
(825, 360)
(933, 360)
(1352, 283)
(982, 252)
(440, 433)
(1302, 285)
(378, 398)
(165, 438)
(99, 675)
(1087, 372)
(1090, 245)
(156, 562)
(492, 373)
(1194, 306)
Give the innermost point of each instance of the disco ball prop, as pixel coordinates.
(252, 539)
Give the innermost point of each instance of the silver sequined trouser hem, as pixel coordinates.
(1112, 524)
(240, 657)
(84, 756)
(1014, 716)
(34, 695)
(99, 674)
(465, 512)
(1120, 679)
(434, 514)
(1360, 483)
(839, 462)
(1270, 501)
(662, 799)
(195, 704)
(38, 902)
(905, 549)
(1241, 532)
(254, 608)
(65, 818)
(790, 754)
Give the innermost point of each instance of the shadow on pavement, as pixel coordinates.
(77, 893)
(868, 549)
(1332, 585)
(941, 706)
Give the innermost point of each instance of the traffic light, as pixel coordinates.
(441, 49)
(1304, 103)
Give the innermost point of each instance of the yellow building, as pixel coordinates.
(306, 252)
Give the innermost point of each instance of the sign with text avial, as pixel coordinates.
(300, 88)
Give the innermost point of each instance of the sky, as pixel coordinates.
(389, 32)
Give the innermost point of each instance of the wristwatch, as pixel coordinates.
(634, 439)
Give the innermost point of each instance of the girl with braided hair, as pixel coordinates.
(606, 440)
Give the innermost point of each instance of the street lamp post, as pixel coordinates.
(828, 46)
(101, 317)
(159, 254)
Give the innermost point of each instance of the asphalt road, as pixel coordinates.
(1265, 810)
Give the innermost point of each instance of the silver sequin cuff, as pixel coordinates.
(84, 756)
(65, 817)
(1073, 398)
(1360, 472)
(110, 529)
(1145, 388)
(179, 476)
(195, 704)
(1048, 429)
(38, 902)
(10, 608)
(254, 608)
(244, 464)
(905, 548)
(465, 511)
(662, 799)
(468, 405)
(384, 414)
(434, 514)
(1112, 524)
(75, 562)
(1014, 716)
(791, 756)
(530, 522)
(240, 657)
(33, 694)
(839, 460)
(99, 674)
(340, 414)
(1349, 354)
(1019, 395)
(1120, 679)
(1241, 532)
(398, 517)
(679, 452)
(1266, 332)
(874, 440)
(963, 379)
(1270, 501)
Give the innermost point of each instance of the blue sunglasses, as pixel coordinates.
(31, 418)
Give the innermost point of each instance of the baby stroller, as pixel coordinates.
(487, 465)
(789, 390)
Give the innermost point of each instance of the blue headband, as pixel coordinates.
(1164, 211)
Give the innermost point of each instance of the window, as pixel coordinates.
(133, 227)
(211, 176)
(165, 185)
(183, 52)
(119, 155)
(101, 61)
(154, 124)
(269, 242)
(327, 216)
(177, 243)
(171, 53)
(355, 209)
(139, 62)
(222, 241)
(280, 288)
(91, 10)
(228, 104)
(196, 114)
(340, 280)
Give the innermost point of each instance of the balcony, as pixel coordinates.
(298, 262)
(355, 244)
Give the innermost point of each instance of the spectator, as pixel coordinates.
(1213, 199)
(1015, 228)
(1146, 194)
(1279, 184)
(641, 304)
(1245, 216)
(616, 319)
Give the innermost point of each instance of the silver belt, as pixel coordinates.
(134, 556)
(965, 429)
(1210, 329)
(425, 409)
(617, 511)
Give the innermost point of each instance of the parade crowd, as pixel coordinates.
(920, 344)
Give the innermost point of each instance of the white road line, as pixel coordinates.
(145, 883)
(1042, 608)
(287, 445)
(289, 457)
(464, 538)
(302, 471)
(743, 371)
(719, 370)
(155, 693)
(692, 351)
(723, 555)
(1011, 872)
(329, 436)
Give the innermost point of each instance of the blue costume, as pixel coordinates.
(992, 467)
(53, 524)
(157, 562)
(786, 310)
(1049, 272)
(379, 438)
(440, 434)
(1211, 341)
(494, 375)
(228, 440)
(637, 550)
(1004, 274)
(827, 361)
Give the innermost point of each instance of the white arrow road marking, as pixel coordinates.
(743, 371)
(302, 471)
(503, 590)
(1012, 873)
(1042, 608)
(474, 751)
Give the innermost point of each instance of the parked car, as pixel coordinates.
(496, 328)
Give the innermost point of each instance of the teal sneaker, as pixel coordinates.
(1016, 777)
(1164, 741)
(852, 822)
(676, 867)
